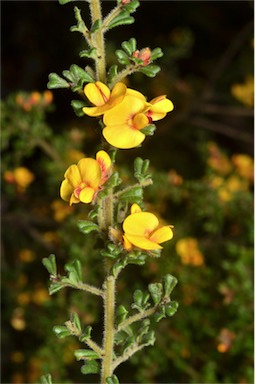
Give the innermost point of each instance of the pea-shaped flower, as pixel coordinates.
(83, 181)
(160, 106)
(124, 122)
(102, 97)
(141, 230)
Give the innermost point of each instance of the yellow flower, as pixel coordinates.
(83, 181)
(160, 106)
(140, 230)
(244, 165)
(124, 121)
(187, 249)
(100, 95)
(244, 92)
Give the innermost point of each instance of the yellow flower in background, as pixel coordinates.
(21, 176)
(188, 250)
(124, 122)
(60, 210)
(141, 230)
(100, 95)
(244, 92)
(160, 106)
(83, 181)
(244, 165)
(217, 160)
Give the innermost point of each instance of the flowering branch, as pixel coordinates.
(126, 118)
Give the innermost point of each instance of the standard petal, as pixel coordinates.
(140, 224)
(162, 234)
(98, 93)
(133, 92)
(118, 93)
(73, 175)
(94, 111)
(66, 190)
(86, 195)
(104, 161)
(122, 136)
(90, 172)
(124, 111)
(142, 242)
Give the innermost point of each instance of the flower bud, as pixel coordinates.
(144, 55)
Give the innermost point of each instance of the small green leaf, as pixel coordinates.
(156, 292)
(90, 53)
(86, 226)
(112, 72)
(123, 18)
(150, 70)
(156, 53)
(127, 47)
(74, 271)
(122, 57)
(86, 334)
(131, 7)
(161, 314)
(149, 129)
(75, 319)
(169, 283)
(55, 81)
(50, 264)
(55, 287)
(112, 380)
(95, 27)
(81, 74)
(62, 2)
(77, 107)
(121, 314)
(171, 308)
(85, 354)
(132, 195)
(61, 331)
(90, 366)
(46, 379)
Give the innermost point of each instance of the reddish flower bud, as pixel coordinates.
(144, 55)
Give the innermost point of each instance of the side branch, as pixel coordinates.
(139, 316)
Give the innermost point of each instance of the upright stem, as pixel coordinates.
(98, 40)
(107, 362)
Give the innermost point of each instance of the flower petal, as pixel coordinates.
(159, 107)
(73, 175)
(104, 161)
(66, 190)
(98, 93)
(122, 136)
(142, 242)
(162, 234)
(124, 111)
(134, 93)
(126, 244)
(90, 172)
(86, 195)
(140, 224)
(135, 209)
(140, 121)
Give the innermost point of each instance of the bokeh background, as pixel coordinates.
(202, 164)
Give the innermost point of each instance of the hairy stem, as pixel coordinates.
(139, 316)
(98, 40)
(108, 344)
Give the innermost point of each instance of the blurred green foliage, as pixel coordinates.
(202, 167)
